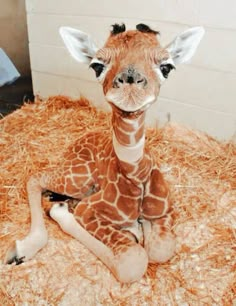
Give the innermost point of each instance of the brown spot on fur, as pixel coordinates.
(85, 154)
(127, 167)
(157, 185)
(110, 193)
(125, 186)
(122, 124)
(128, 205)
(80, 209)
(152, 208)
(88, 216)
(92, 226)
(112, 170)
(107, 211)
(103, 231)
(139, 133)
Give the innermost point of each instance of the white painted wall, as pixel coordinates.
(201, 94)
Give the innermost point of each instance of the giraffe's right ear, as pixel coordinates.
(79, 44)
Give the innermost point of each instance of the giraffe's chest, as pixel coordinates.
(121, 194)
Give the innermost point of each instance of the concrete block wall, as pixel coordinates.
(201, 94)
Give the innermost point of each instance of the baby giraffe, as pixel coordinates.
(124, 216)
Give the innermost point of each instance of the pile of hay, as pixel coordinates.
(202, 176)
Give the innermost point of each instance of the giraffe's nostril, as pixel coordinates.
(140, 80)
(120, 80)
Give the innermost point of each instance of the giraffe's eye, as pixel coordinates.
(97, 67)
(165, 69)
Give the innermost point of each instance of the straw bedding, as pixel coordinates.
(202, 176)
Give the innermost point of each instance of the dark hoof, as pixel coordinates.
(12, 257)
(16, 260)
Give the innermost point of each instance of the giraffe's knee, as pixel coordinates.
(33, 184)
(131, 265)
(160, 249)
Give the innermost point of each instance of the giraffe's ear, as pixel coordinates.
(183, 47)
(79, 44)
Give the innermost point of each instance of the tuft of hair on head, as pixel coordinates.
(117, 28)
(145, 29)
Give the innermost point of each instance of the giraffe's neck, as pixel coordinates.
(128, 136)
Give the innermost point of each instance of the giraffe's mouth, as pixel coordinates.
(130, 102)
(127, 114)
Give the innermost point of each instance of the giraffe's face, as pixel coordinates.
(131, 67)
(132, 64)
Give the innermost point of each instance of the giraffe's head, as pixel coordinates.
(132, 64)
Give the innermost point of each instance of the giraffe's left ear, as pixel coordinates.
(79, 44)
(183, 47)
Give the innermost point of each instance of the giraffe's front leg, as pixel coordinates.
(159, 240)
(117, 249)
(25, 249)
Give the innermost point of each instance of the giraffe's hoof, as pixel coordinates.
(161, 249)
(12, 256)
(131, 265)
(23, 250)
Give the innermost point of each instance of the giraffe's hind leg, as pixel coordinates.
(117, 249)
(62, 181)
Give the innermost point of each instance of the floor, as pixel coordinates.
(14, 95)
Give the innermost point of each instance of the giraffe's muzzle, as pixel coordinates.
(129, 76)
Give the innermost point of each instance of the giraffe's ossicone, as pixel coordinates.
(124, 215)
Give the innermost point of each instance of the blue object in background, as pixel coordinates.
(8, 72)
